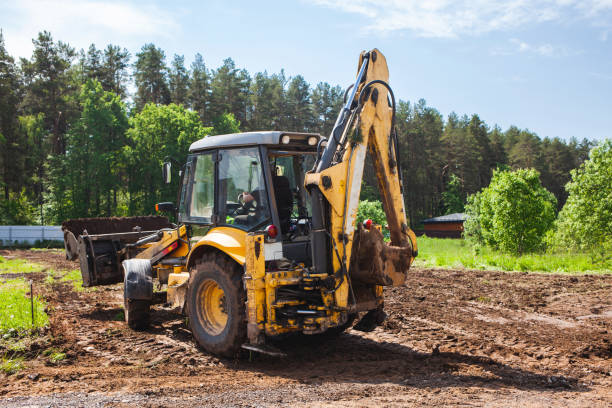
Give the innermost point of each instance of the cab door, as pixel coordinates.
(197, 205)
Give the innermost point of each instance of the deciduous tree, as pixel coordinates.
(513, 213)
(585, 222)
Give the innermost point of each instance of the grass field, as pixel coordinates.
(456, 253)
(18, 328)
(15, 308)
(14, 266)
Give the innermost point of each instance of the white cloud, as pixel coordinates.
(516, 46)
(449, 19)
(82, 22)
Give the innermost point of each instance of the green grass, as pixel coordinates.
(10, 365)
(54, 355)
(15, 309)
(456, 253)
(18, 266)
(76, 278)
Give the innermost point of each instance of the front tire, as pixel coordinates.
(216, 303)
(136, 313)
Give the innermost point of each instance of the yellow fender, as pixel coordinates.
(231, 241)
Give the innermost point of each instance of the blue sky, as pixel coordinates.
(545, 65)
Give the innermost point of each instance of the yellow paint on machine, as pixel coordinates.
(255, 273)
(230, 240)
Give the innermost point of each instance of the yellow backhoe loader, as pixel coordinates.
(267, 241)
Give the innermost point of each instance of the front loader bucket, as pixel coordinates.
(112, 225)
(376, 262)
(99, 244)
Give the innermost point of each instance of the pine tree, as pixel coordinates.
(179, 81)
(48, 87)
(299, 105)
(230, 91)
(326, 103)
(499, 157)
(199, 89)
(151, 77)
(115, 70)
(461, 153)
(479, 131)
(92, 64)
(526, 152)
(11, 153)
(267, 102)
(419, 133)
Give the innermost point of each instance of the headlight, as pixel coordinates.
(285, 139)
(312, 140)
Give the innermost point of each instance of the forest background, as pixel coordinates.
(84, 133)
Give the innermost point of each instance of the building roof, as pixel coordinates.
(248, 139)
(456, 217)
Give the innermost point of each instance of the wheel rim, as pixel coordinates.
(212, 312)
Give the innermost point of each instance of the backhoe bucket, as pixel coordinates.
(376, 262)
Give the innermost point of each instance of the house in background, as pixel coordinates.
(445, 226)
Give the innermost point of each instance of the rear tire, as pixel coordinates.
(216, 304)
(137, 313)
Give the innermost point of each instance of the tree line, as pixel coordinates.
(84, 133)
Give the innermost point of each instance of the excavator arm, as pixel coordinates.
(365, 125)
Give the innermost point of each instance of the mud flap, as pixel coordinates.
(177, 289)
(138, 281)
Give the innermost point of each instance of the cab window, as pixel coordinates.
(198, 195)
(243, 198)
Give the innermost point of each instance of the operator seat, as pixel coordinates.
(284, 201)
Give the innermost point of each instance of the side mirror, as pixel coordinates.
(165, 207)
(166, 173)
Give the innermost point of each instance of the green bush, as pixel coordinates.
(585, 221)
(372, 210)
(512, 214)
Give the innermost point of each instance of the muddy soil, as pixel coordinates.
(453, 337)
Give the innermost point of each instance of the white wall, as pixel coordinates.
(29, 234)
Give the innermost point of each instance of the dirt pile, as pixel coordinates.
(114, 225)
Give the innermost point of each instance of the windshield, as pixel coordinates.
(243, 199)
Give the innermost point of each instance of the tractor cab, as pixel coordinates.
(252, 182)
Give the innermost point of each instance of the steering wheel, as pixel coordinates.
(245, 206)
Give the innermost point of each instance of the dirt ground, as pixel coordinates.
(452, 338)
